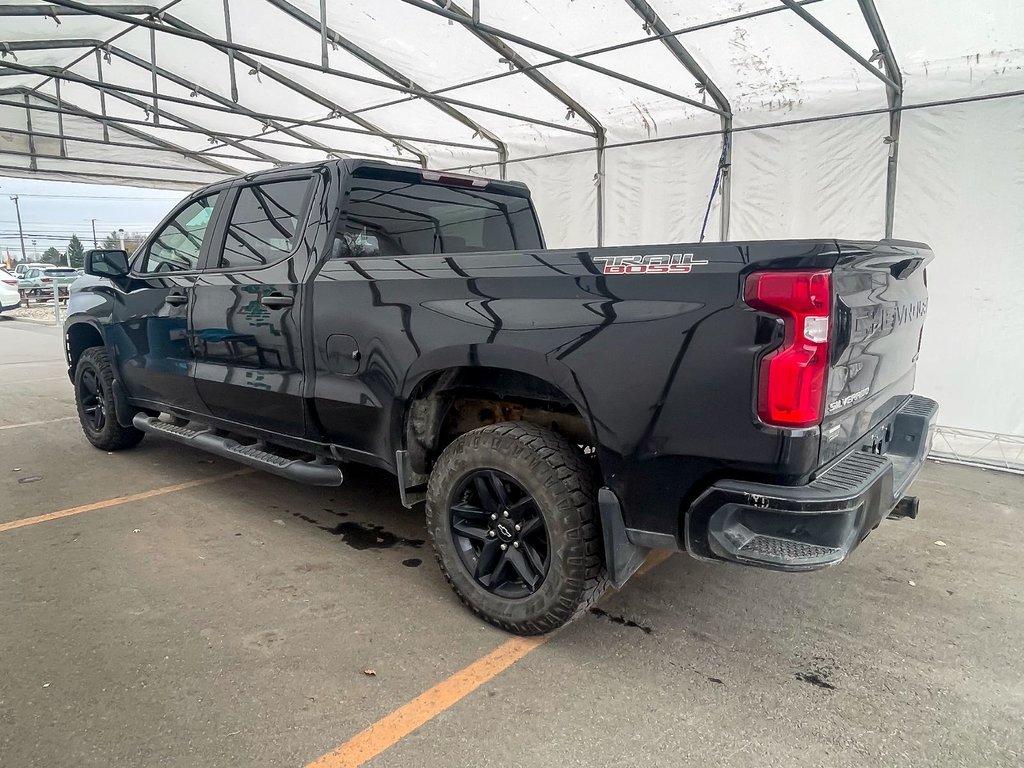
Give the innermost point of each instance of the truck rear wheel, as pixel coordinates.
(94, 396)
(512, 515)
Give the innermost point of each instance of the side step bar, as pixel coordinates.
(308, 472)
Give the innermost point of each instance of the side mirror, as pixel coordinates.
(103, 263)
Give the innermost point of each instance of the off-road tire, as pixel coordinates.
(111, 436)
(564, 487)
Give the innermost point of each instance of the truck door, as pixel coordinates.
(149, 333)
(244, 325)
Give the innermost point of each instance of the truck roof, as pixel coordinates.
(516, 188)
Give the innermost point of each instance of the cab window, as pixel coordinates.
(265, 223)
(176, 247)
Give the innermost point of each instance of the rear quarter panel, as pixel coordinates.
(661, 365)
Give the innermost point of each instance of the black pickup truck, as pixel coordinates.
(561, 412)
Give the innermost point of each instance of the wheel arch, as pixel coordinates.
(507, 373)
(79, 337)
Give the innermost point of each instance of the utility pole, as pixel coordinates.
(95, 244)
(21, 234)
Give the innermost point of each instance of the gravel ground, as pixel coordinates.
(36, 311)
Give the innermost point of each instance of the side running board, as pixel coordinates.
(308, 472)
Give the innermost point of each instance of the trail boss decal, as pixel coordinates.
(655, 264)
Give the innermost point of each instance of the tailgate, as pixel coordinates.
(881, 293)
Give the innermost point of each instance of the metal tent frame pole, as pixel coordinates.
(222, 104)
(467, 21)
(677, 49)
(777, 124)
(588, 54)
(108, 177)
(186, 126)
(294, 86)
(332, 36)
(181, 152)
(836, 40)
(509, 54)
(301, 63)
(895, 97)
(62, 106)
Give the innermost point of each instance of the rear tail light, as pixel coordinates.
(10, 282)
(791, 379)
(47, 280)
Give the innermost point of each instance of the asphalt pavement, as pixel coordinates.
(180, 613)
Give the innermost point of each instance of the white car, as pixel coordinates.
(24, 266)
(9, 296)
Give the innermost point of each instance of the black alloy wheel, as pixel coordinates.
(94, 397)
(512, 514)
(90, 395)
(499, 533)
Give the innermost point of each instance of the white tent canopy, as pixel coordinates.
(632, 120)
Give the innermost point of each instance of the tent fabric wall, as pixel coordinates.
(960, 189)
(824, 179)
(959, 186)
(565, 195)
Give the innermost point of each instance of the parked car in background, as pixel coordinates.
(9, 295)
(38, 282)
(24, 266)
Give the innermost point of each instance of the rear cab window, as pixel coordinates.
(397, 212)
(265, 222)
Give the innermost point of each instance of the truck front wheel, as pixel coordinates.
(94, 396)
(512, 515)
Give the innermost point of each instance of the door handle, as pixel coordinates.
(176, 299)
(277, 301)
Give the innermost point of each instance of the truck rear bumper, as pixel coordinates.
(802, 528)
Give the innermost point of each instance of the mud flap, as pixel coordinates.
(621, 556)
(123, 411)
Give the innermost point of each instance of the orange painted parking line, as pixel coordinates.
(394, 727)
(119, 500)
(36, 423)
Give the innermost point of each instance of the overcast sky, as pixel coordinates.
(52, 210)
